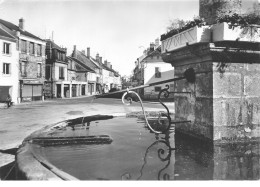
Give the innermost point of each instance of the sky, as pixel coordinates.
(119, 30)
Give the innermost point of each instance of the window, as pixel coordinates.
(31, 48)
(39, 70)
(157, 72)
(23, 46)
(23, 69)
(39, 50)
(7, 48)
(157, 88)
(6, 68)
(48, 72)
(61, 72)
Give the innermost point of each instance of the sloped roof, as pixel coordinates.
(13, 27)
(156, 52)
(84, 59)
(80, 66)
(53, 45)
(6, 34)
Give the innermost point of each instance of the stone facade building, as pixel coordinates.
(92, 75)
(155, 70)
(77, 77)
(31, 61)
(56, 70)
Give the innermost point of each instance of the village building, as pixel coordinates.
(150, 68)
(93, 75)
(155, 70)
(77, 78)
(56, 71)
(9, 80)
(111, 78)
(31, 61)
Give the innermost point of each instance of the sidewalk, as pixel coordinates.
(21, 120)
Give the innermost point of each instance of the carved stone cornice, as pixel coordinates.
(224, 51)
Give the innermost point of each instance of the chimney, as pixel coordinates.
(100, 60)
(97, 57)
(88, 52)
(111, 66)
(157, 42)
(74, 54)
(108, 64)
(21, 23)
(151, 46)
(83, 51)
(105, 62)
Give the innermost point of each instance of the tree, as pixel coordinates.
(176, 24)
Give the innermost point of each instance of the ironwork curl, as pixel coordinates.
(149, 126)
(163, 154)
(166, 94)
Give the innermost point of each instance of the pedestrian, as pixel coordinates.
(9, 100)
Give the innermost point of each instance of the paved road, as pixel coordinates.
(19, 121)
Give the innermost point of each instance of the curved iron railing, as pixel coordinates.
(166, 94)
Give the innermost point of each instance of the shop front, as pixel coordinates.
(31, 90)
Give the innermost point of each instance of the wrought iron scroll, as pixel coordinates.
(166, 94)
(164, 154)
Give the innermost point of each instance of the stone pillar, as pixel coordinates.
(94, 88)
(86, 89)
(77, 91)
(70, 87)
(224, 104)
(80, 89)
(62, 90)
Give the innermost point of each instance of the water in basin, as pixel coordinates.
(137, 154)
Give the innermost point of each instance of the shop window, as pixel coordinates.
(6, 68)
(6, 48)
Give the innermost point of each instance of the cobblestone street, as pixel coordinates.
(21, 120)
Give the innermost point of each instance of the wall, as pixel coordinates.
(56, 75)
(107, 79)
(224, 102)
(9, 81)
(236, 101)
(197, 106)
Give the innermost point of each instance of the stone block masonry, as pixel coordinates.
(224, 104)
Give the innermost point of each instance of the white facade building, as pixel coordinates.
(9, 67)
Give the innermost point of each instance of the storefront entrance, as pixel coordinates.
(31, 92)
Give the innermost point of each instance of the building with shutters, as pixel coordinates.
(93, 75)
(9, 63)
(31, 61)
(56, 70)
(151, 68)
(78, 77)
